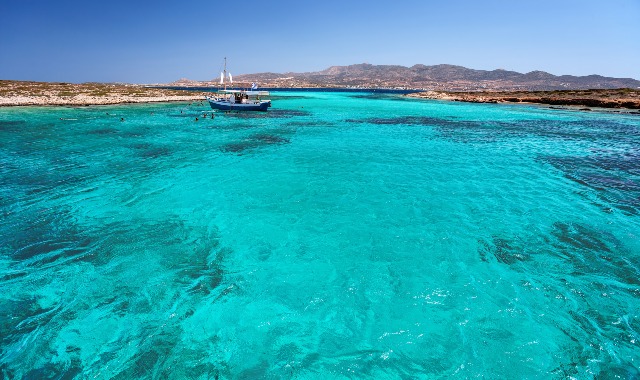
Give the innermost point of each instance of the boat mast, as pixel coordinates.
(225, 73)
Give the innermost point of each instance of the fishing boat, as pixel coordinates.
(238, 100)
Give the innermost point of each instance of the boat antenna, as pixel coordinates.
(225, 73)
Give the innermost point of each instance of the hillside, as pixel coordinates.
(436, 77)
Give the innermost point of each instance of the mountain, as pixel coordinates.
(436, 77)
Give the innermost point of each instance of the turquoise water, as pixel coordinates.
(339, 235)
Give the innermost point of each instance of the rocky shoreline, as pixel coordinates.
(624, 98)
(22, 93)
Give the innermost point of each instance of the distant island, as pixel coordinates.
(427, 78)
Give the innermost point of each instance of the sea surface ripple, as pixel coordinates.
(339, 235)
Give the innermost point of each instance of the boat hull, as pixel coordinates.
(226, 106)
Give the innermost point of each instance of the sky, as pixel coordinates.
(139, 41)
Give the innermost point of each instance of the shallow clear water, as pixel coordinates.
(339, 235)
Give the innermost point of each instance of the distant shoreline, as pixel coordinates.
(301, 89)
(23, 93)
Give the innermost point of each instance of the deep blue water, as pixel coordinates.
(339, 235)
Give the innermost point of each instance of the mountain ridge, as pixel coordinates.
(429, 77)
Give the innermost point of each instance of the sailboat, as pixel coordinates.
(238, 100)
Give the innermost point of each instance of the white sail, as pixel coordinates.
(230, 78)
(221, 78)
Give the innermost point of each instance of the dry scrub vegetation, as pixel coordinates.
(51, 93)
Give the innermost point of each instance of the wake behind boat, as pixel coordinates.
(238, 100)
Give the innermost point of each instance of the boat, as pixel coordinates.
(238, 100)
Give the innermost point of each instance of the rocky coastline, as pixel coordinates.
(621, 99)
(23, 93)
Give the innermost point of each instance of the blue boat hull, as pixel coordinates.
(226, 106)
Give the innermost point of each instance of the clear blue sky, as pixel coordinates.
(161, 41)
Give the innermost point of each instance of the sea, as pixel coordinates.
(340, 235)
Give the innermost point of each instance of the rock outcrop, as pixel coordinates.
(616, 98)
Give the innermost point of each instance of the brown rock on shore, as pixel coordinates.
(22, 93)
(616, 98)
